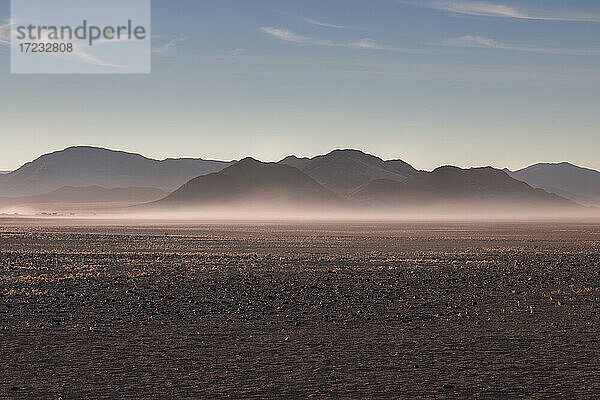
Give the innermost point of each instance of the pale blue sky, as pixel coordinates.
(432, 82)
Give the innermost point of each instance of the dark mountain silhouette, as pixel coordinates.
(402, 167)
(567, 180)
(90, 195)
(340, 180)
(295, 162)
(88, 166)
(253, 183)
(484, 187)
(342, 171)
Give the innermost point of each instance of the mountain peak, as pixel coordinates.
(86, 147)
(252, 168)
(92, 149)
(564, 179)
(245, 164)
(250, 182)
(349, 153)
(294, 158)
(296, 162)
(450, 186)
(251, 161)
(344, 170)
(82, 166)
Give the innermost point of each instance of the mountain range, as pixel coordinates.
(449, 186)
(90, 195)
(342, 179)
(581, 185)
(342, 171)
(351, 180)
(84, 166)
(251, 183)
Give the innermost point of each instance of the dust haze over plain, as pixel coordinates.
(343, 184)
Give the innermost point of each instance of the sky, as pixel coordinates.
(432, 82)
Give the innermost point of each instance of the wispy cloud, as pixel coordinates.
(167, 47)
(322, 24)
(366, 43)
(487, 43)
(489, 9)
(289, 36)
(5, 33)
(313, 21)
(236, 52)
(373, 45)
(78, 53)
(82, 56)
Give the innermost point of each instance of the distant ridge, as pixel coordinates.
(251, 183)
(564, 179)
(83, 166)
(345, 170)
(486, 187)
(274, 185)
(90, 195)
(296, 162)
(342, 180)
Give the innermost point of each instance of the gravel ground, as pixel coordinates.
(299, 311)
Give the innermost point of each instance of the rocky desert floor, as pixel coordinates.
(257, 310)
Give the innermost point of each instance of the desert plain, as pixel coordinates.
(113, 309)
